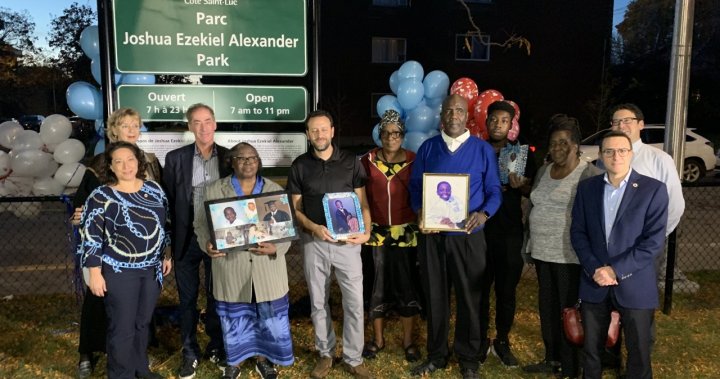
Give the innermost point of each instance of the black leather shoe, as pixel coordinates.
(425, 368)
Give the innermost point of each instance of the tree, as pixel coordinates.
(65, 36)
(16, 30)
(644, 59)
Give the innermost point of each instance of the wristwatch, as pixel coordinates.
(487, 215)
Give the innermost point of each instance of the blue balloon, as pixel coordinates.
(100, 127)
(433, 133)
(376, 135)
(388, 102)
(420, 119)
(436, 84)
(394, 82)
(95, 70)
(138, 79)
(89, 42)
(411, 69)
(100, 146)
(84, 100)
(434, 103)
(410, 93)
(413, 140)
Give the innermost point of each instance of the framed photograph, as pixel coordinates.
(343, 214)
(445, 201)
(513, 158)
(242, 222)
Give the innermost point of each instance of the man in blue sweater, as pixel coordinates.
(457, 257)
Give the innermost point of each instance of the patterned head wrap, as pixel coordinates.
(391, 116)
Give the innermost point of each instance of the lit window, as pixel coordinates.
(388, 50)
(471, 47)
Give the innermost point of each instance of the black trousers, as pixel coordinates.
(93, 324)
(457, 260)
(638, 337)
(187, 278)
(129, 301)
(504, 268)
(557, 289)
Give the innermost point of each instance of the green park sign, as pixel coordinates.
(230, 103)
(222, 37)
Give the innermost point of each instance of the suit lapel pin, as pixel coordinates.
(635, 185)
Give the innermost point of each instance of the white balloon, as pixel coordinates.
(30, 162)
(4, 164)
(27, 140)
(47, 187)
(8, 131)
(49, 170)
(50, 147)
(69, 151)
(70, 174)
(55, 129)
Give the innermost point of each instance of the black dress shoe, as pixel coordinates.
(426, 367)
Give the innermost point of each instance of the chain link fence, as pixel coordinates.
(37, 255)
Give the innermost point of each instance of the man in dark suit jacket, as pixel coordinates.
(276, 215)
(187, 169)
(618, 229)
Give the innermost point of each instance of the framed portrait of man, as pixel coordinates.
(343, 214)
(242, 222)
(445, 201)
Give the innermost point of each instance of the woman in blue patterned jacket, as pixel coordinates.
(124, 243)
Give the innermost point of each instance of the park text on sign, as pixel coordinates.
(242, 37)
(230, 103)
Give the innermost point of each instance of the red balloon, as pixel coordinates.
(515, 128)
(484, 100)
(477, 129)
(466, 88)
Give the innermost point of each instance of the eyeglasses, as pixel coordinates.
(624, 121)
(609, 153)
(391, 134)
(244, 160)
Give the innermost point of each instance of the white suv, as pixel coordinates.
(699, 151)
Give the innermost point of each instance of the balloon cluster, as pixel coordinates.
(40, 164)
(84, 99)
(478, 103)
(418, 98)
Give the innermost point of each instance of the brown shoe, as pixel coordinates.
(359, 371)
(322, 368)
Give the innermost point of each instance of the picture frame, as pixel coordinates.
(445, 202)
(513, 158)
(343, 214)
(243, 221)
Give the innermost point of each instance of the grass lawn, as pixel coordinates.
(39, 334)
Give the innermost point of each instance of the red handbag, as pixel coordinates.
(572, 325)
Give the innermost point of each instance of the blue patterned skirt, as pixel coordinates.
(251, 329)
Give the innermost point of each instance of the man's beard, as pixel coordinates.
(320, 147)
